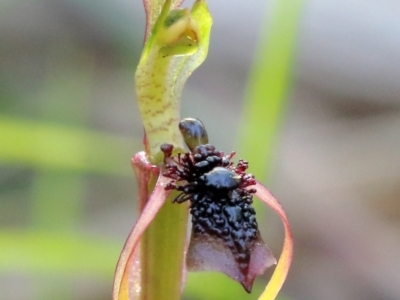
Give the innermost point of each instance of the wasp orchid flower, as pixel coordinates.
(203, 181)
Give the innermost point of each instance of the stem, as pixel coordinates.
(163, 249)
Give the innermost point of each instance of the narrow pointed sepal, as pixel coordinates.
(282, 268)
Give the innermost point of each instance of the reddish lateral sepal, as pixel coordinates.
(282, 268)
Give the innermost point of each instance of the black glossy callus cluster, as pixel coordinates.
(220, 202)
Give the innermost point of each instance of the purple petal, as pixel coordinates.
(279, 276)
(211, 253)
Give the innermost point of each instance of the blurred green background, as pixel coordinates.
(306, 90)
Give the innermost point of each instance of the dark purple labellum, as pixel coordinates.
(225, 234)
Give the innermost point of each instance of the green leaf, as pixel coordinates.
(56, 252)
(51, 146)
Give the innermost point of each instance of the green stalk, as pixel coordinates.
(162, 248)
(177, 45)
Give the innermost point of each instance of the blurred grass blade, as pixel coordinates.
(56, 147)
(39, 251)
(268, 86)
(57, 200)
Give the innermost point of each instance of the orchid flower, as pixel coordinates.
(171, 181)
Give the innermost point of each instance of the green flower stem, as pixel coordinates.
(162, 249)
(177, 45)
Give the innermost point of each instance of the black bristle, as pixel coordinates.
(220, 202)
